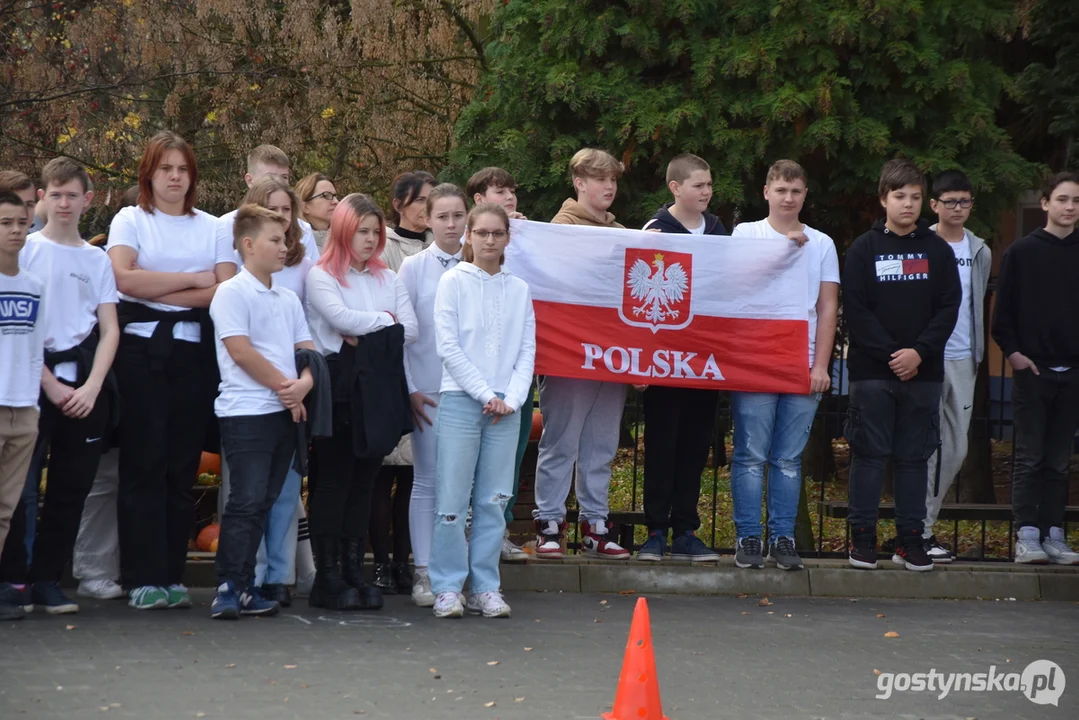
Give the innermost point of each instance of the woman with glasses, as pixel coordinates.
(485, 334)
(318, 200)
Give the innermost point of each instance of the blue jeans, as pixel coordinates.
(276, 559)
(259, 450)
(769, 429)
(474, 464)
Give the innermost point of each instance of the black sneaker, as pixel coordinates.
(11, 603)
(383, 577)
(937, 553)
(49, 597)
(750, 553)
(688, 546)
(888, 546)
(654, 548)
(911, 555)
(863, 549)
(781, 551)
(278, 593)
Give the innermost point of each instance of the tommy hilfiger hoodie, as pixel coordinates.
(899, 291)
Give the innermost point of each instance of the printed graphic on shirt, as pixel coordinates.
(964, 261)
(18, 312)
(899, 267)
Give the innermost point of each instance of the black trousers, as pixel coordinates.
(258, 450)
(389, 513)
(161, 435)
(678, 428)
(1045, 409)
(897, 420)
(340, 500)
(74, 448)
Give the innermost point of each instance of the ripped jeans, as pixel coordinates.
(474, 466)
(769, 429)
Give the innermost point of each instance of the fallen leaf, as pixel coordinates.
(231, 665)
(290, 667)
(771, 612)
(627, 592)
(602, 602)
(434, 670)
(518, 699)
(742, 596)
(528, 649)
(745, 612)
(187, 632)
(490, 704)
(880, 615)
(876, 672)
(765, 602)
(438, 677)
(408, 649)
(72, 627)
(493, 662)
(788, 615)
(891, 634)
(597, 620)
(304, 686)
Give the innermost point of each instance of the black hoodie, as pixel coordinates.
(899, 291)
(665, 222)
(1037, 303)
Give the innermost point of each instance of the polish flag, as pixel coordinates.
(649, 308)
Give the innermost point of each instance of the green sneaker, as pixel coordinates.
(178, 596)
(149, 597)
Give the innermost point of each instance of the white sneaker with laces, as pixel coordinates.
(510, 552)
(1057, 550)
(100, 590)
(448, 605)
(1027, 548)
(489, 604)
(421, 589)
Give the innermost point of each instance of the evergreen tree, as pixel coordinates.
(838, 85)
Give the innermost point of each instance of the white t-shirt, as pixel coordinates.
(22, 339)
(273, 321)
(169, 243)
(959, 345)
(77, 280)
(822, 261)
(699, 230)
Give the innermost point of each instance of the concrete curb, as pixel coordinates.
(821, 578)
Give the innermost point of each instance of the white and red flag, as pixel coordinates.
(663, 309)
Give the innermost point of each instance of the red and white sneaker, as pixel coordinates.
(549, 540)
(595, 543)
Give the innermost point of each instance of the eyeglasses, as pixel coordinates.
(496, 234)
(328, 196)
(965, 203)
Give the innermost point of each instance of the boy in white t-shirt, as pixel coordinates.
(258, 329)
(771, 428)
(81, 337)
(22, 348)
(953, 198)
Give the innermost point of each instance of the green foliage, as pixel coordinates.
(839, 85)
(1051, 84)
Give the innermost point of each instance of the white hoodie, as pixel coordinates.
(485, 333)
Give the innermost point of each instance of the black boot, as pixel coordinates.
(279, 593)
(402, 577)
(352, 564)
(384, 578)
(330, 590)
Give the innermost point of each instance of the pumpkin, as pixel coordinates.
(207, 541)
(210, 463)
(537, 426)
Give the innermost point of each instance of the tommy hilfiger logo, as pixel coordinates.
(899, 267)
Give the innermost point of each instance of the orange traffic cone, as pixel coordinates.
(637, 697)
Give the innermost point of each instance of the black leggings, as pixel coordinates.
(340, 499)
(389, 513)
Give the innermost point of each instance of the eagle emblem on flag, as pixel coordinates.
(657, 289)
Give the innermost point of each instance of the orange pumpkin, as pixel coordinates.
(537, 426)
(210, 463)
(207, 540)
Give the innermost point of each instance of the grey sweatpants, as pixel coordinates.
(956, 403)
(97, 547)
(581, 424)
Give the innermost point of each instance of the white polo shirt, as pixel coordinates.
(273, 321)
(77, 279)
(173, 244)
(293, 277)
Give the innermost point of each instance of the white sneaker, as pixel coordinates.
(489, 604)
(448, 605)
(510, 552)
(1057, 550)
(421, 589)
(100, 590)
(1027, 547)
